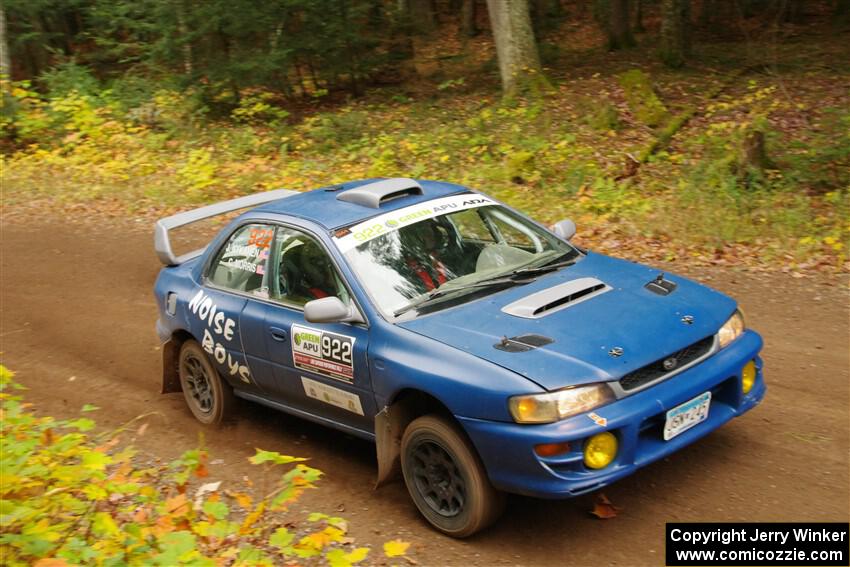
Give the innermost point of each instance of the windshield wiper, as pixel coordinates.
(550, 267)
(515, 277)
(444, 291)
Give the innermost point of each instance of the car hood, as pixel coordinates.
(623, 315)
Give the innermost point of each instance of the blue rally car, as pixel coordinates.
(480, 351)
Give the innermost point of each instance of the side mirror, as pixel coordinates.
(565, 229)
(331, 310)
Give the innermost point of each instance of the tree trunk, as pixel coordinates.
(674, 40)
(468, 18)
(754, 153)
(5, 60)
(516, 50)
(613, 17)
(38, 57)
(707, 12)
(841, 13)
(544, 14)
(186, 47)
(621, 31)
(789, 11)
(639, 27)
(423, 17)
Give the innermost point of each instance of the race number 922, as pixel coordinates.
(337, 349)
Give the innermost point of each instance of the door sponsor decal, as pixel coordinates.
(219, 325)
(328, 354)
(394, 220)
(332, 396)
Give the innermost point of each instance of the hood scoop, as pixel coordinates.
(556, 298)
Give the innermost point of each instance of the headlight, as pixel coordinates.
(731, 329)
(546, 408)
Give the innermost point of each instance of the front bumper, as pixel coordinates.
(507, 449)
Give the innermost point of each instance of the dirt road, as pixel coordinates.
(78, 327)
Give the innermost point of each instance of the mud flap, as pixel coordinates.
(170, 375)
(389, 427)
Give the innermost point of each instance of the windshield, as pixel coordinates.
(449, 247)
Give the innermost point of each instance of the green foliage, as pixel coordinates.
(198, 172)
(454, 84)
(68, 498)
(553, 157)
(290, 46)
(601, 114)
(67, 78)
(644, 103)
(258, 108)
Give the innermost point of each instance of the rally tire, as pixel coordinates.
(210, 398)
(445, 478)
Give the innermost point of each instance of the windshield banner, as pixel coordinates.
(394, 220)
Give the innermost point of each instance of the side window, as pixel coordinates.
(240, 265)
(302, 270)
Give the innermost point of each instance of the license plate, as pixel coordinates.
(684, 416)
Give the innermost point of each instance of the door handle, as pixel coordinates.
(278, 334)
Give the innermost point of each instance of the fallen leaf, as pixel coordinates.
(177, 505)
(201, 471)
(603, 508)
(395, 548)
(244, 500)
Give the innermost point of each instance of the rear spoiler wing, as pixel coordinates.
(162, 242)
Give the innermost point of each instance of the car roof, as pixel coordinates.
(323, 207)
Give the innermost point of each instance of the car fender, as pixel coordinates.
(441, 378)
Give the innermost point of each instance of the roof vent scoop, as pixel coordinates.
(556, 298)
(372, 195)
(661, 286)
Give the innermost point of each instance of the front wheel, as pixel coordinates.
(207, 395)
(446, 479)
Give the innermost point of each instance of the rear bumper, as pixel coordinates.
(507, 449)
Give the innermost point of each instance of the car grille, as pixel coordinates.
(654, 371)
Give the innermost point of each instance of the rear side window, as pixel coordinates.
(240, 265)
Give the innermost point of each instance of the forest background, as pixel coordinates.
(712, 132)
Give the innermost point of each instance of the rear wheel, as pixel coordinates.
(209, 397)
(446, 479)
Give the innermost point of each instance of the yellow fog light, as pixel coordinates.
(600, 450)
(748, 376)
